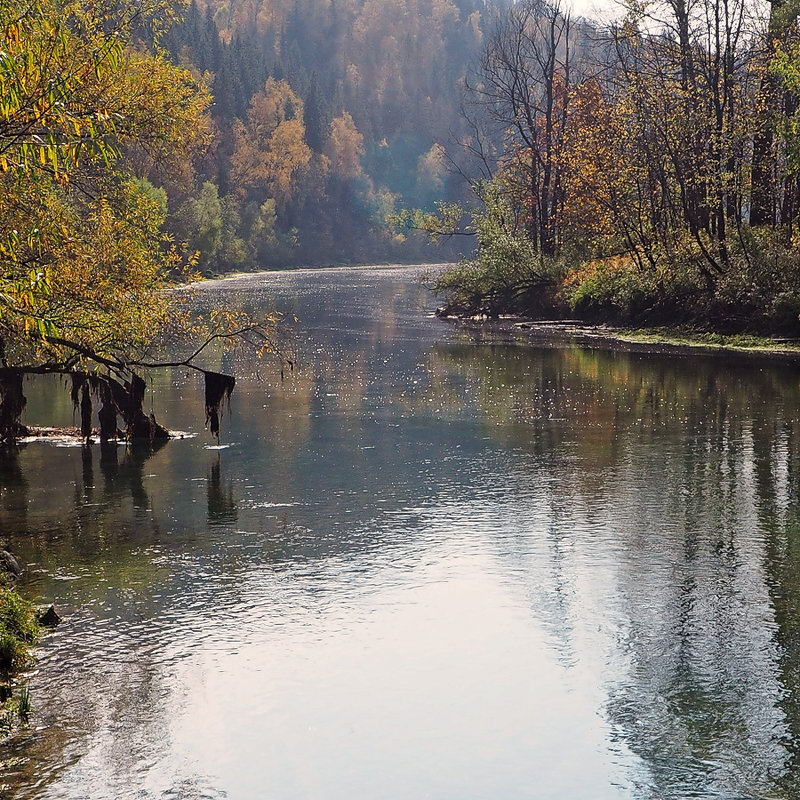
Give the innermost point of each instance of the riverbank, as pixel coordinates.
(19, 632)
(653, 340)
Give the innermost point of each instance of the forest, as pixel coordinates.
(328, 118)
(641, 172)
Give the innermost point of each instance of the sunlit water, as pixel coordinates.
(431, 563)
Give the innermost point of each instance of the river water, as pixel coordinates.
(430, 563)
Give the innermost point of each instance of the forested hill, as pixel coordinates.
(329, 115)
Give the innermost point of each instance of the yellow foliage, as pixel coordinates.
(346, 147)
(270, 153)
(81, 104)
(600, 266)
(592, 167)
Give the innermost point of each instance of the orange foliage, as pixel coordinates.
(271, 157)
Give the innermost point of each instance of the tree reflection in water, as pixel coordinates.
(694, 468)
(222, 508)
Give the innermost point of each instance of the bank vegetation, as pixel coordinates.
(641, 173)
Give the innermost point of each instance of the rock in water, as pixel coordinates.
(9, 563)
(48, 618)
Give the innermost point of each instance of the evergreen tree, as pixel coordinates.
(316, 116)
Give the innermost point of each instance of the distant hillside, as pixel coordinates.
(329, 116)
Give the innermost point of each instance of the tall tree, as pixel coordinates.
(271, 157)
(774, 105)
(523, 86)
(688, 98)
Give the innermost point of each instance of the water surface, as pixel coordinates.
(431, 563)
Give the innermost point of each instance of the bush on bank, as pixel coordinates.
(758, 291)
(18, 631)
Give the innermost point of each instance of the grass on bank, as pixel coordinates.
(19, 632)
(689, 338)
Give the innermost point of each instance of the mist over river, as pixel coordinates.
(430, 563)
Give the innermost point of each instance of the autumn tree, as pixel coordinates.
(523, 86)
(518, 106)
(271, 159)
(690, 94)
(597, 175)
(671, 158)
(84, 262)
(346, 147)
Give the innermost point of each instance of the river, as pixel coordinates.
(429, 563)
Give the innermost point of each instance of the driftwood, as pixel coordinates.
(120, 391)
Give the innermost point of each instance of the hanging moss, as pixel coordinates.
(114, 398)
(120, 398)
(12, 404)
(86, 412)
(136, 389)
(218, 388)
(128, 399)
(78, 380)
(125, 399)
(107, 414)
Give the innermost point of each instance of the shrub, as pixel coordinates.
(761, 287)
(617, 289)
(18, 631)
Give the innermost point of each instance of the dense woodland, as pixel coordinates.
(328, 119)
